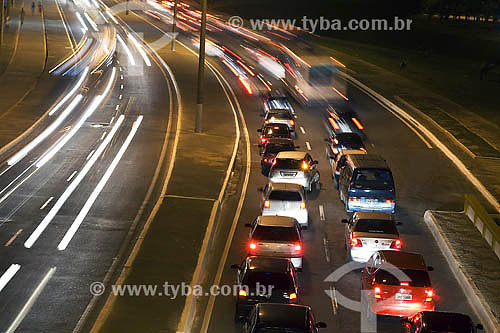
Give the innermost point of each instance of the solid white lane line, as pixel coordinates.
(97, 190)
(72, 186)
(322, 213)
(27, 306)
(302, 130)
(13, 238)
(112, 119)
(16, 187)
(131, 59)
(333, 299)
(8, 275)
(72, 175)
(308, 145)
(325, 245)
(53, 126)
(47, 202)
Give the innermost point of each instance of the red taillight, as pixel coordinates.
(243, 293)
(354, 199)
(252, 246)
(429, 294)
(303, 205)
(377, 291)
(390, 201)
(266, 160)
(397, 244)
(334, 123)
(267, 204)
(298, 247)
(358, 124)
(293, 296)
(292, 123)
(355, 242)
(305, 166)
(263, 140)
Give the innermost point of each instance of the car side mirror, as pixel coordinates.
(327, 140)
(259, 130)
(248, 225)
(315, 162)
(320, 324)
(235, 266)
(262, 114)
(480, 327)
(344, 221)
(260, 189)
(430, 268)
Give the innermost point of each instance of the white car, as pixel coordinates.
(282, 199)
(369, 232)
(295, 167)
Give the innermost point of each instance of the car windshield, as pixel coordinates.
(373, 179)
(275, 234)
(279, 115)
(279, 281)
(447, 322)
(276, 131)
(285, 195)
(275, 148)
(417, 278)
(376, 226)
(283, 163)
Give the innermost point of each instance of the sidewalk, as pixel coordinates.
(27, 89)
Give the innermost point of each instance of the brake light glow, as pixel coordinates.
(377, 292)
(246, 85)
(252, 246)
(292, 123)
(404, 284)
(303, 205)
(293, 296)
(354, 199)
(305, 166)
(267, 204)
(274, 162)
(397, 244)
(263, 140)
(390, 201)
(334, 123)
(429, 295)
(266, 160)
(243, 293)
(358, 124)
(298, 247)
(355, 242)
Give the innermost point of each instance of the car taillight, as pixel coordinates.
(274, 162)
(263, 140)
(252, 246)
(429, 294)
(297, 247)
(303, 205)
(377, 291)
(243, 293)
(292, 296)
(305, 166)
(406, 284)
(334, 123)
(354, 199)
(355, 242)
(358, 124)
(267, 204)
(292, 123)
(397, 244)
(390, 201)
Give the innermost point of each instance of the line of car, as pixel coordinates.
(393, 282)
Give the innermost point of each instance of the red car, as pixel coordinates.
(397, 283)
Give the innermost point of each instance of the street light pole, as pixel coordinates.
(2, 16)
(201, 69)
(174, 24)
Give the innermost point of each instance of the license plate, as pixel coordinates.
(371, 201)
(403, 297)
(288, 174)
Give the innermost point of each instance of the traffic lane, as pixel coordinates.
(97, 240)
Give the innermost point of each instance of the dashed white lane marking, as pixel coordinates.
(73, 174)
(325, 245)
(13, 238)
(120, 97)
(121, 77)
(121, 86)
(90, 155)
(333, 298)
(322, 213)
(46, 203)
(117, 107)
(302, 130)
(308, 145)
(103, 135)
(121, 69)
(8, 275)
(26, 308)
(112, 119)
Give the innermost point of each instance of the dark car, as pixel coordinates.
(440, 322)
(343, 119)
(264, 280)
(275, 317)
(270, 131)
(343, 141)
(281, 116)
(271, 149)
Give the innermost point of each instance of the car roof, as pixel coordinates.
(268, 264)
(294, 316)
(276, 221)
(368, 161)
(373, 216)
(286, 186)
(294, 155)
(404, 260)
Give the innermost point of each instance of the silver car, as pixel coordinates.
(339, 162)
(276, 236)
(295, 167)
(369, 232)
(282, 199)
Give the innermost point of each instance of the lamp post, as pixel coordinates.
(174, 24)
(201, 69)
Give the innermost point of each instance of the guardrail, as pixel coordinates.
(483, 222)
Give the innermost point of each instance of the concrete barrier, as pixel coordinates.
(483, 222)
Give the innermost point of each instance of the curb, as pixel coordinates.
(474, 296)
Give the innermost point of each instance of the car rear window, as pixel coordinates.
(448, 322)
(279, 281)
(373, 178)
(284, 195)
(275, 234)
(275, 148)
(376, 226)
(418, 278)
(282, 163)
(279, 115)
(276, 131)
